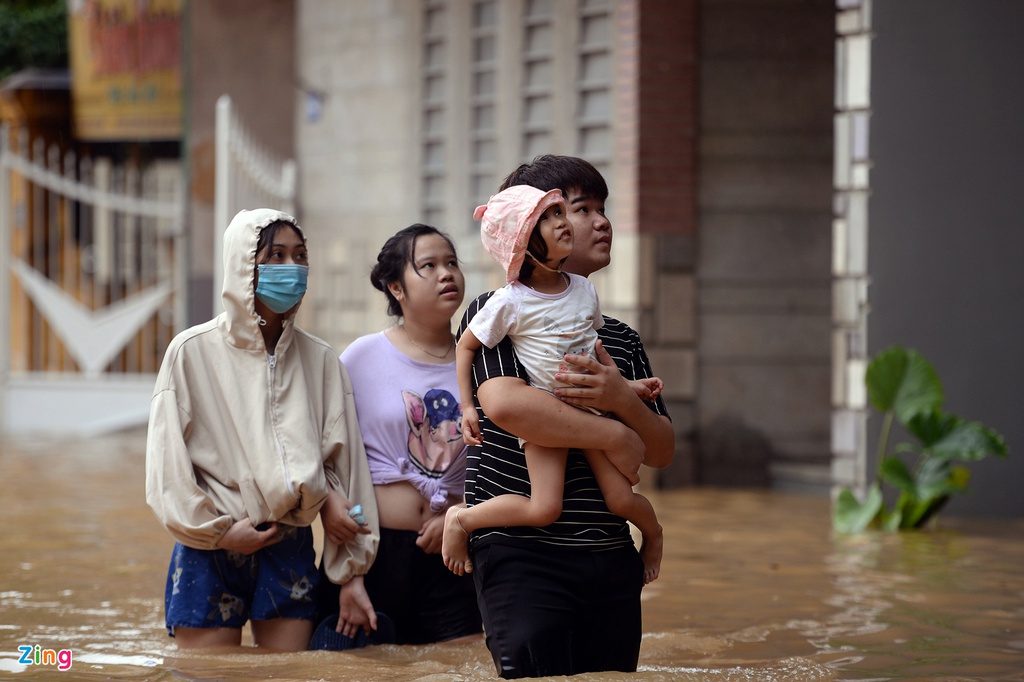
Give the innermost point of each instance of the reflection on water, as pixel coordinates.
(753, 587)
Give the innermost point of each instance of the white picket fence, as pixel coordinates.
(92, 265)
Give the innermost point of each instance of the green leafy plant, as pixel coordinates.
(33, 33)
(905, 388)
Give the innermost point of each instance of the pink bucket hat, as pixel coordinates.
(507, 221)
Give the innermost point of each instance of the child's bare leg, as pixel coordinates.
(634, 507)
(546, 467)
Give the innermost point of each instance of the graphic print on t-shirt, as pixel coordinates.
(567, 337)
(435, 429)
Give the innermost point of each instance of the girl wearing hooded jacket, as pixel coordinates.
(252, 433)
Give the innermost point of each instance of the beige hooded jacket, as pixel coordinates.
(236, 433)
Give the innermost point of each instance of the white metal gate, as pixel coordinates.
(92, 272)
(247, 176)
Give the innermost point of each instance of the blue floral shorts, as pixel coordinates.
(221, 589)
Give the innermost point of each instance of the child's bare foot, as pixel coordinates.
(455, 543)
(650, 551)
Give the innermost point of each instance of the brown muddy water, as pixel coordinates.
(754, 586)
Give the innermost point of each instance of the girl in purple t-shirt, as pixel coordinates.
(407, 403)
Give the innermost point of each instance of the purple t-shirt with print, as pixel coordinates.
(409, 417)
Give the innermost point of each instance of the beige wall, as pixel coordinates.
(358, 178)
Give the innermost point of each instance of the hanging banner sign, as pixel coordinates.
(126, 69)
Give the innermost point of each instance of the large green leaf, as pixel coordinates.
(902, 380)
(851, 516)
(931, 427)
(895, 472)
(968, 441)
(933, 478)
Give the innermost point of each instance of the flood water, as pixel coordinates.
(754, 586)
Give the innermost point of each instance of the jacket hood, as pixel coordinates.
(239, 321)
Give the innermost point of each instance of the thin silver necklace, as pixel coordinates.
(433, 355)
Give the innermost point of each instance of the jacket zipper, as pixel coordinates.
(272, 362)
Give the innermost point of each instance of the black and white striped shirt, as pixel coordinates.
(499, 465)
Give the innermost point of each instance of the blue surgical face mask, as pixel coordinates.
(280, 287)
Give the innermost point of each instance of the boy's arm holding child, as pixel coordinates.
(599, 383)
